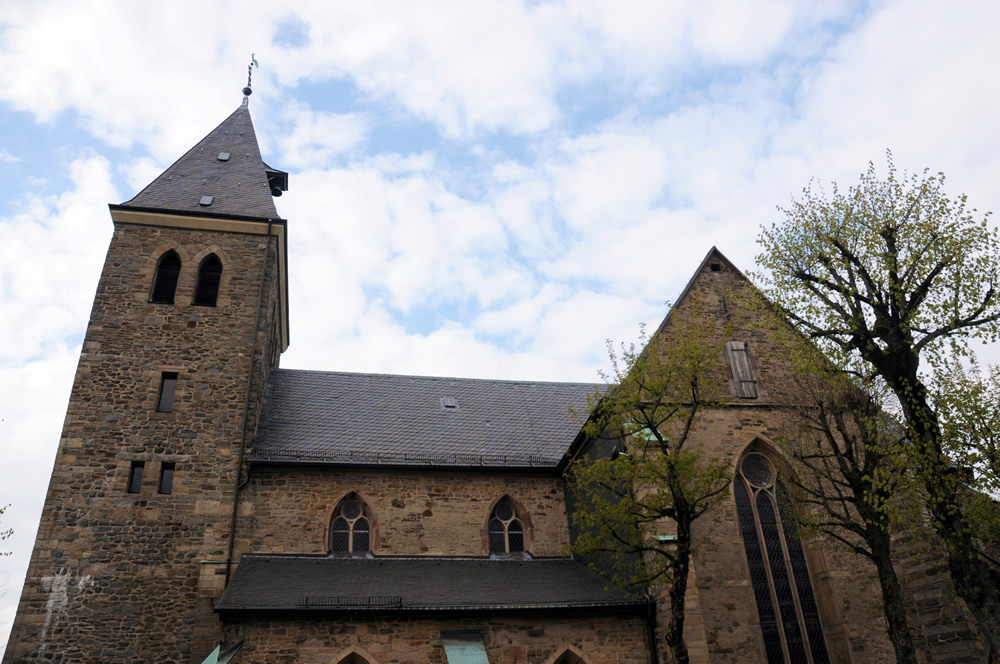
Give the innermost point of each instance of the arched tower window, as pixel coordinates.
(351, 526)
(786, 604)
(168, 269)
(506, 530)
(209, 275)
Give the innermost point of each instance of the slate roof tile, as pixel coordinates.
(238, 186)
(310, 583)
(349, 418)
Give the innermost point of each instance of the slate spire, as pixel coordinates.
(222, 175)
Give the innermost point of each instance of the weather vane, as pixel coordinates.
(253, 63)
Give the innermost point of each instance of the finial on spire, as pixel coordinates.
(247, 91)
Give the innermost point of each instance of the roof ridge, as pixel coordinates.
(426, 377)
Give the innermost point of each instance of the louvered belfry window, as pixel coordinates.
(786, 605)
(350, 531)
(165, 283)
(744, 372)
(506, 530)
(209, 275)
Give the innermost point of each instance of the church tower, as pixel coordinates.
(190, 316)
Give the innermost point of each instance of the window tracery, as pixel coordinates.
(506, 530)
(351, 527)
(786, 605)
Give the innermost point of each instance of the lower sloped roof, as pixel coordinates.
(382, 419)
(311, 583)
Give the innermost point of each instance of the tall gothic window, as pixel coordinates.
(351, 527)
(209, 275)
(168, 269)
(786, 605)
(506, 530)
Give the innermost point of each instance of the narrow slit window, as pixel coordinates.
(166, 477)
(744, 372)
(209, 276)
(168, 270)
(135, 477)
(168, 386)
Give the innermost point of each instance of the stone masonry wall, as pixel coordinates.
(845, 587)
(418, 512)
(941, 629)
(114, 575)
(527, 639)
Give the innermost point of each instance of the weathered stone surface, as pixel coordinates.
(436, 513)
(535, 639)
(114, 575)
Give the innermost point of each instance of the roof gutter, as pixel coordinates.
(462, 608)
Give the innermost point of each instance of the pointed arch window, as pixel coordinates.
(351, 527)
(209, 276)
(506, 530)
(168, 270)
(789, 618)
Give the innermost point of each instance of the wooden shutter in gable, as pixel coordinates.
(744, 376)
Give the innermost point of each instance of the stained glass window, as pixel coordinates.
(786, 605)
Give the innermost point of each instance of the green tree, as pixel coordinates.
(968, 400)
(845, 451)
(887, 275)
(637, 507)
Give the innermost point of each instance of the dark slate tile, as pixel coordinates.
(238, 186)
(335, 417)
(326, 583)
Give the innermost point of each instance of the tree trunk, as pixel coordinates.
(892, 597)
(975, 580)
(976, 583)
(674, 635)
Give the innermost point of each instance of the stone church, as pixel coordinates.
(208, 506)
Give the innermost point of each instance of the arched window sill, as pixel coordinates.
(518, 555)
(351, 554)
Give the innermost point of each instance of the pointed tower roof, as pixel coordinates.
(222, 175)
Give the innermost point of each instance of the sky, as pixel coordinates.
(479, 189)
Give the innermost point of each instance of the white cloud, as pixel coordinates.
(318, 137)
(606, 179)
(465, 67)
(8, 158)
(141, 172)
(50, 261)
(458, 64)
